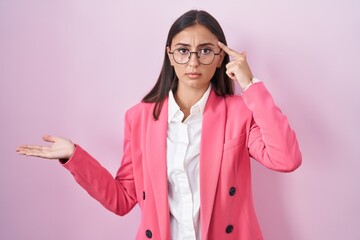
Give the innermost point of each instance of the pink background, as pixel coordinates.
(72, 68)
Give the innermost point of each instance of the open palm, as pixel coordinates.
(60, 148)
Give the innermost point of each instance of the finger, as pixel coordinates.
(35, 154)
(33, 150)
(25, 147)
(236, 62)
(36, 151)
(28, 152)
(228, 50)
(48, 138)
(231, 64)
(231, 74)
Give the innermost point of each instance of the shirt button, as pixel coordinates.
(148, 234)
(229, 228)
(232, 191)
(143, 195)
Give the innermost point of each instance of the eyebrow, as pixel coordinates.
(200, 45)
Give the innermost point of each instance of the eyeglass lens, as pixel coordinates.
(204, 57)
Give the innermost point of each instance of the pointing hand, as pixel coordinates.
(238, 68)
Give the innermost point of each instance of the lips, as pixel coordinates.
(193, 75)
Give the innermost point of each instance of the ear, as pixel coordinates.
(221, 58)
(170, 56)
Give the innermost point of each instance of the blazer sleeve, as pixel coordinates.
(271, 140)
(116, 194)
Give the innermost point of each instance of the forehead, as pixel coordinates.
(195, 35)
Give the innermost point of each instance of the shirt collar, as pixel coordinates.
(174, 109)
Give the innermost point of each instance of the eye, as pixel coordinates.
(183, 51)
(205, 51)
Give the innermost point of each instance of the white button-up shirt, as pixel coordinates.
(183, 168)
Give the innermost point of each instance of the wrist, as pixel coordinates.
(66, 158)
(253, 80)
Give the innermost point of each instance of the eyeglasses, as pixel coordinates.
(205, 56)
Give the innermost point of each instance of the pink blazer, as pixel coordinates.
(235, 128)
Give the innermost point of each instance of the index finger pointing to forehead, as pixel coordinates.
(227, 49)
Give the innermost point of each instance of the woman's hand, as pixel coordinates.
(238, 68)
(61, 148)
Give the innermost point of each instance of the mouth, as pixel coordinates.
(193, 75)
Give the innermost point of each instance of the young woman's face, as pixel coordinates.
(194, 74)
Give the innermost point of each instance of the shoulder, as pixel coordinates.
(140, 107)
(234, 101)
(140, 110)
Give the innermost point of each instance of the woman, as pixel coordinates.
(187, 145)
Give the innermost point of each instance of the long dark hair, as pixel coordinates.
(168, 80)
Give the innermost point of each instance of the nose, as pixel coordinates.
(194, 59)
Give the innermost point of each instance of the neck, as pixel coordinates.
(187, 98)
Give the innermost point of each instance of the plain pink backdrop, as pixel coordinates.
(72, 68)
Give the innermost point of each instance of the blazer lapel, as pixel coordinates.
(211, 149)
(156, 163)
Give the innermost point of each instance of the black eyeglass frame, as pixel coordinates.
(197, 55)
